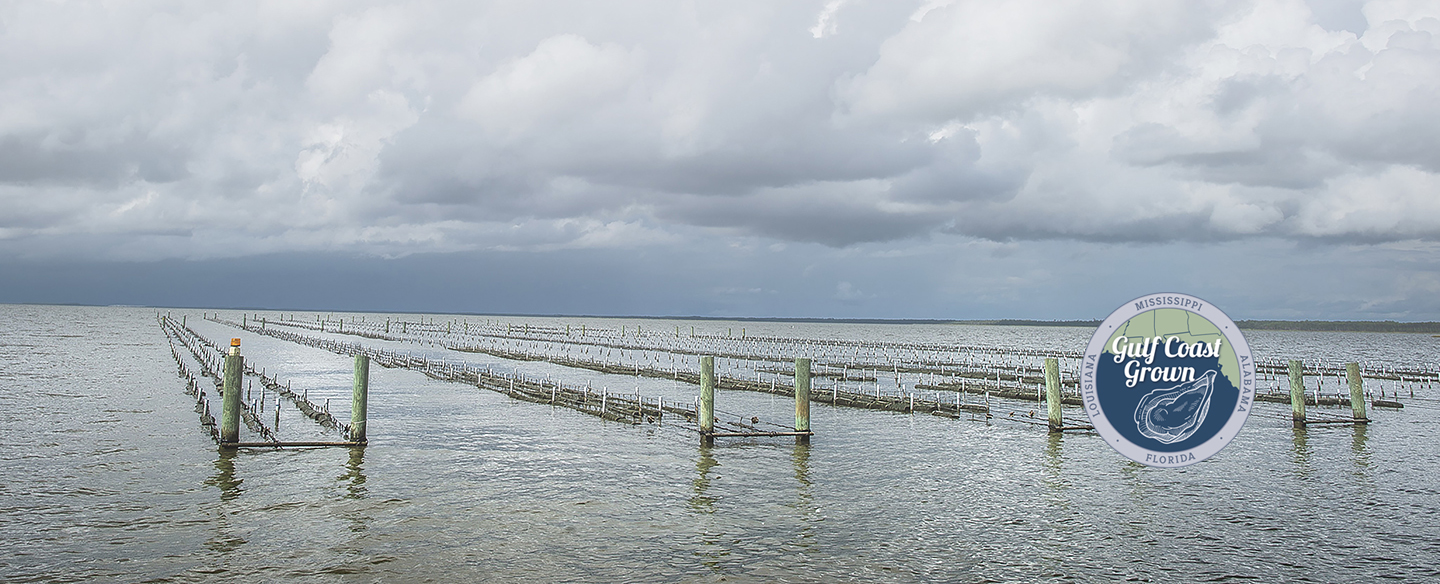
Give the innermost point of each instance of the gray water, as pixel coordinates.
(106, 475)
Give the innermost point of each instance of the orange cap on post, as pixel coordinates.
(235, 342)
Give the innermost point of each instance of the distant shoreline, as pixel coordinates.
(1351, 326)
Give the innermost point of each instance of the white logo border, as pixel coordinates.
(1138, 453)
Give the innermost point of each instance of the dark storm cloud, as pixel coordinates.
(828, 214)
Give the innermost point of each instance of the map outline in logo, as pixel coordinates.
(1168, 380)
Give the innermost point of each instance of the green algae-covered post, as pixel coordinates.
(707, 400)
(1297, 393)
(230, 399)
(1052, 393)
(802, 399)
(359, 398)
(1357, 392)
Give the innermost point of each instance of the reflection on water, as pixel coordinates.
(1359, 445)
(713, 541)
(804, 496)
(354, 481)
(354, 476)
(1300, 455)
(1053, 463)
(700, 502)
(801, 457)
(223, 539)
(224, 478)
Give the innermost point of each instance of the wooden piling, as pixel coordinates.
(359, 398)
(1052, 394)
(707, 401)
(1297, 393)
(230, 400)
(802, 399)
(1357, 392)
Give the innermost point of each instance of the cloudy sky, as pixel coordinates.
(1044, 159)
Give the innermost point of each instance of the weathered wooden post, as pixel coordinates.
(230, 399)
(1052, 394)
(707, 401)
(359, 398)
(802, 399)
(1297, 393)
(1357, 392)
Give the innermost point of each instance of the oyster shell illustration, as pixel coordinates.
(1174, 414)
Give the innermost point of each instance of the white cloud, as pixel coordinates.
(342, 154)
(564, 80)
(1399, 202)
(230, 129)
(971, 58)
(825, 24)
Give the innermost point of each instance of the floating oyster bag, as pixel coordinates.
(1168, 380)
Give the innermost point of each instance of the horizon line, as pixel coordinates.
(1252, 324)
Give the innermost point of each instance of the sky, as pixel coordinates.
(1036, 159)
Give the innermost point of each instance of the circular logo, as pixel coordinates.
(1168, 380)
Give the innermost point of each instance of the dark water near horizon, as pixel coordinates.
(105, 475)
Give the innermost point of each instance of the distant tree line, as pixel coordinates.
(1359, 326)
(1354, 326)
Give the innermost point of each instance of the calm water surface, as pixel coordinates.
(106, 475)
